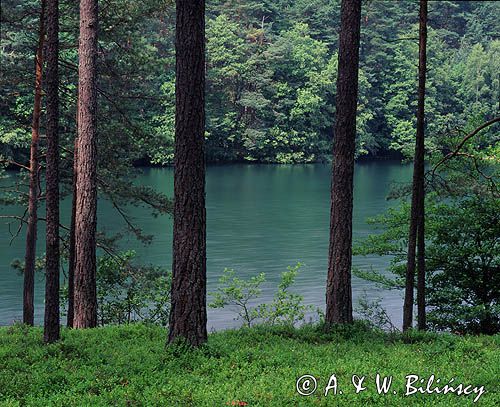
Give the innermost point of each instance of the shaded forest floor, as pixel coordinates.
(130, 366)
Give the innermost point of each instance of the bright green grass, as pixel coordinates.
(130, 366)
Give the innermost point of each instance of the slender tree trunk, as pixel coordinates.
(422, 70)
(410, 267)
(71, 262)
(417, 219)
(85, 296)
(421, 313)
(338, 290)
(51, 321)
(30, 255)
(188, 315)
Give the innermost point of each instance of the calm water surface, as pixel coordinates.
(261, 218)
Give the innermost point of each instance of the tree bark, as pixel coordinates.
(188, 315)
(417, 217)
(31, 232)
(71, 260)
(421, 314)
(52, 317)
(422, 68)
(338, 290)
(85, 296)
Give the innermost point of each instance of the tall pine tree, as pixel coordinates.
(188, 315)
(416, 237)
(338, 290)
(51, 321)
(85, 293)
(32, 223)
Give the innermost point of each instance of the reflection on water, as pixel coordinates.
(261, 218)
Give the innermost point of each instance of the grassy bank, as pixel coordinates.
(129, 365)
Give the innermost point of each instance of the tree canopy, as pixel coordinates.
(271, 77)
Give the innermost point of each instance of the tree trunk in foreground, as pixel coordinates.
(31, 232)
(71, 260)
(422, 70)
(188, 315)
(85, 296)
(338, 290)
(418, 194)
(421, 313)
(52, 317)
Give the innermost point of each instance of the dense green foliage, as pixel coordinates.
(128, 292)
(462, 229)
(462, 260)
(271, 77)
(129, 365)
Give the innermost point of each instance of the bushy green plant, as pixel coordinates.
(376, 315)
(239, 293)
(127, 292)
(286, 308)
(462, 260)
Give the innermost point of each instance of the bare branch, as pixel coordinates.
(18, 164)
(464, 140)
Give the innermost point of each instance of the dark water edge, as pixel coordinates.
(389, 155)
(261, 218)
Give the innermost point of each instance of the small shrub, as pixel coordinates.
(287, 308)
(375, 314)
(234, 291)
(127, 292)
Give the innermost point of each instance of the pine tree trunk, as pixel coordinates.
(188, 316)
(31, 232)
(418, 198)
(410, 266)
(85, 296)
(338, 290)
(71, 260)
(422, 68)
(51, 321)
(421, 313)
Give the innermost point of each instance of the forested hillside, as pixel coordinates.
(271, 77)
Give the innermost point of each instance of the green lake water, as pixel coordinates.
(261, 218)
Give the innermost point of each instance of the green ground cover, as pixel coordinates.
(130, 366)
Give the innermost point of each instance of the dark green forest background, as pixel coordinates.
(271, 78)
